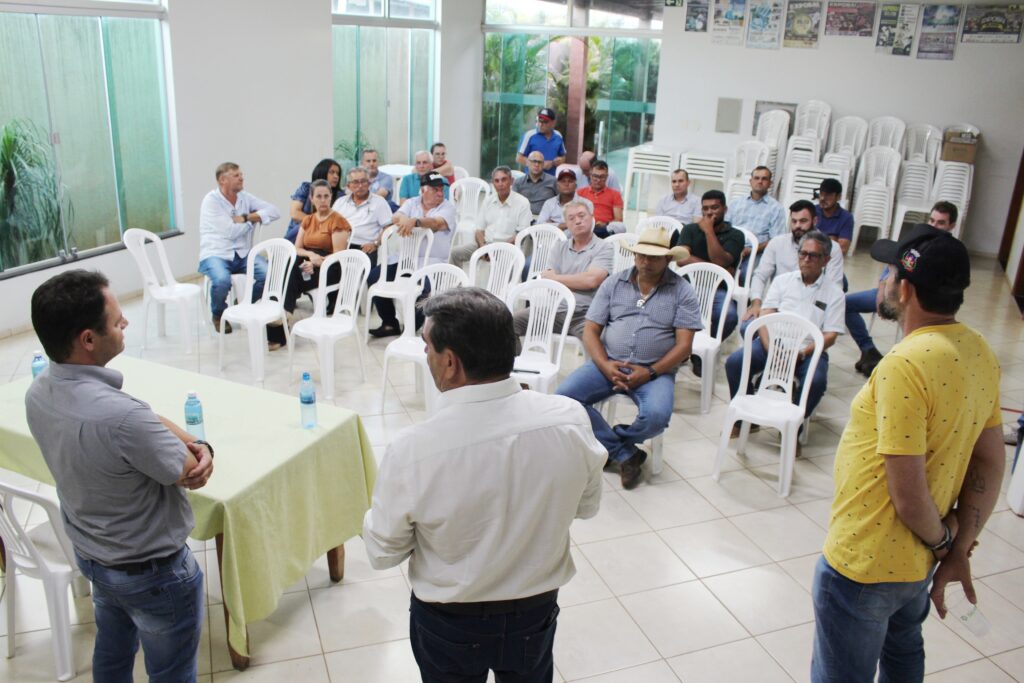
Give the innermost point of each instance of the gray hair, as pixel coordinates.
(821, 238)
(357, 169)
(576, 202)
(423, 151)
(501, 169)
(370, 150)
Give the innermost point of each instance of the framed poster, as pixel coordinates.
(939, 26)
(730, 16)
(764, 23)
(992, 23)
(850, 19)
(803, 23)
(697, 16)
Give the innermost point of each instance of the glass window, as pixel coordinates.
(395, 9)
(528, 12)
(365, 8)
(624, 14)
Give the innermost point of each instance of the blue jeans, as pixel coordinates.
(588, 385)
(517, 645)
(220, 271)
(161, 606)
(859, 626)
(730, 316)
(758, 358)
(857, 304)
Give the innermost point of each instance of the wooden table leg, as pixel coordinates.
(336, 563)
(240, 662)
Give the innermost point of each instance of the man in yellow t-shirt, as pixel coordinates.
(923, 436)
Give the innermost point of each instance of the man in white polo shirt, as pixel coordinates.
(368, 214)
(502, 215)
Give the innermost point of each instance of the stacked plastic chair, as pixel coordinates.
(923, 143)
(875, 191)
(644, 161)
(468, 195)
(886, 131)
(913, 193)
(749, 155)
(802, 181)
(773, 130)
(953, 181)
(707, 170)
(812, 119)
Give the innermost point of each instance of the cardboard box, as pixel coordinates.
(959, 146)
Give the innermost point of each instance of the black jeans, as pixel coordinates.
(517, 646)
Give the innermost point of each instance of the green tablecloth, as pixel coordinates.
(281, 495)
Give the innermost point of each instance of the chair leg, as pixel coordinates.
(220, 347)
(145, 319)
(707, 385)
(787, 455)
(741, 447)
(366, 329)
(60, 628)
(184, 309)
(384, 383)
(291, 358)
(723, 446)
(161, 319)
(359, 353)
(657, 444)
(257, 347)
(326, 350)
(11, 593)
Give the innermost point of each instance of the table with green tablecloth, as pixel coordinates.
(280, 495)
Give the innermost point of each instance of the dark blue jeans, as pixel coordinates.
(456, 648)
(758, 358)
(857, 304)
(220, 271)
(162, 607)
(859, 626)
(731, 316)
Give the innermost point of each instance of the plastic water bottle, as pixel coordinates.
(39, 363)
(307, 402)
(194, 416)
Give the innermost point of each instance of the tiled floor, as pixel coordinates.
(682, 579)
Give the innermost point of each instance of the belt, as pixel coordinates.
(480, 609)
(134, 568)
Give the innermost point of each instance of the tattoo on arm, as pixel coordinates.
(975, 516)
(974, 481)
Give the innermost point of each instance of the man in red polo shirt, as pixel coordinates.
(607, 202)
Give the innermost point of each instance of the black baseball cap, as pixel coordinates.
(927, 257)
(567, 173)
(831, 185)
(547, 113)
(433, 180)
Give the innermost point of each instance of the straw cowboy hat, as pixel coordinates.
(655, 242)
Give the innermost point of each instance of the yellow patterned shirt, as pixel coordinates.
(931, 395)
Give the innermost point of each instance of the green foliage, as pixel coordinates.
(347, 152)
(31, 198)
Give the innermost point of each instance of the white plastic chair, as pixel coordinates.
(741, 290)
(886, 131)
(803, 150)
(772, 404)
(413, 252)
(923, 143)
(737, 189)
(812, 118)
(506, 265)
(706, 169)
(161, 287)
(254, 317)
(749, 155)
(953, 180)
(468, 195)
(622, 258)
(667, 223)
(325, 328)
(706, 279)
(44, 553)
(541, 357)
(801, 182)
(849, 134)
(773, 130)
(875, 191)
(460, 173)
(411, 347)
(517, 174)
(913, 194)
(644, 161)
(544, 237)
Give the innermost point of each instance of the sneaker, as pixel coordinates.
(868, 360)
(632, 469)
(735, 433)
(697, 364)
(386, 331)
(217, 324)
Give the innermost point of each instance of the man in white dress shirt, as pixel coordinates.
(503, 214)
(226, 220)
(367, 212)
(679, 203)
(480, 497)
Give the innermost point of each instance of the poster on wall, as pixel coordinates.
(697, 16)
(890, 14)
(992, 23)
(938, 32)
(803, 23)
(763, 24)
(850, 19)
(727, 28)
(906, 27)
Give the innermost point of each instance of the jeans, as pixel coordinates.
(758, 358)
(517, 645)
(857, 304)
(220, 271)
(588, 385)
(730, 316)
(161, 606)
(859, 626)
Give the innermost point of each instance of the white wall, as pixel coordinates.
(246, 90)
(982, 85)
(462, 81)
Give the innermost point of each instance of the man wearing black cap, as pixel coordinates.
(551, 212)
(834, 220)
(924, 435)
(545, 139)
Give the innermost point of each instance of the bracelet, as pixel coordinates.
(201, 442)
(945, 544)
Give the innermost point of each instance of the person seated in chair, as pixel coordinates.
(607, 202)
(833, 219)
(302, 198)
(679, 203)
(552, 210)
(810, 293)
(639, 329)
(502, 215)
(536, 185)
(758, 212)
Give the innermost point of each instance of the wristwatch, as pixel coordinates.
(654, 373)
(201, 442)
(945, 544)
(417, 222)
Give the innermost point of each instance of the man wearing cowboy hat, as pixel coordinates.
(639, 329)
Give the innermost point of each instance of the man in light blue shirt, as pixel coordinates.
(759, 212)
(226, 221)
(545, 139)
(679, 203)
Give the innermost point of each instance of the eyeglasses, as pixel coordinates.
(809, 255)
(535, 161)
(598, 176)
(364, 181)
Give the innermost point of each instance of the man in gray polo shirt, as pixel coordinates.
(648, 316)
(535, 184)
(120, 471)
(581, 264)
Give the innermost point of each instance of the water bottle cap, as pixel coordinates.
(305, 376)
(191, 394)
(37, 352)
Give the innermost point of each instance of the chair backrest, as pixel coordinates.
(135, 240)
(705, 167)
(916, 182)
(800, 182)
(460, 173)
(737, 189)
(773, 128)
(880, 165)
(667, 222)
(412, 251)
(706, 278)
(506, 266)
(546, 298)
(355, 268)
(886, 131)
(923, 143)
(848, 134)
(953, 184)
(749, 155)
(544, 237)
(750, 240)
(468, 195)
(812, 118)
(18, 543)
(622, 258)
(803, 149)
(787, 334)
(517, 174)
(280, 255)
(442, 277)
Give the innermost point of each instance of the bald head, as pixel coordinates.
(584, 161)
(535, 164)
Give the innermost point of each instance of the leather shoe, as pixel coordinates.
(217, 323)
(385, 331)
(632, 469)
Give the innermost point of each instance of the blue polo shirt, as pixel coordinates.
(410, 187)
(551, 148)
(839, 226)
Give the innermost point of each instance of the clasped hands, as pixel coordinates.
(625, 376)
